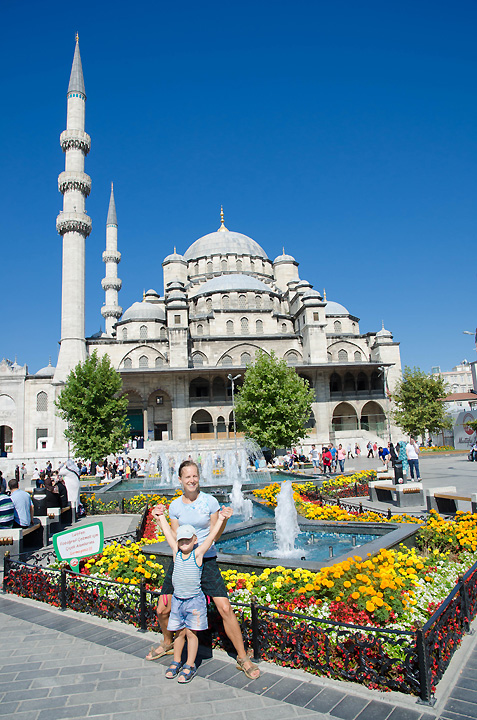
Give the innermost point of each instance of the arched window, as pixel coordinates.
(210, 267)
(125, 333)
(143, 332)
(284, 327)
(223, 265)
(244, 325)
(344, 418)
(127, 363)
(258, 302)
(376, 381)
(199, 388)
(245, 358)
(159, 361)
(143, 362)
(201, 424)
(200, 329)
(225, 302)
(230, 327)
(42, 402)
(197, 359)
(349, 384)
(221, 427)
(292, 358)
(259, 327)
(362, 384)
(335, 383)
(226, 360)
(242, 301)
(342, 356)
(239, 265)
(196, 268)
(163, 333)
(252, 265)
(337, 326)
(357, 356)
(208, 304)
(218, 388)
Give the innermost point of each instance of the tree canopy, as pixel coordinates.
(418, 403)
(274, 404)
(94, 413)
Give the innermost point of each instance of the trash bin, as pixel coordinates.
(398, 473)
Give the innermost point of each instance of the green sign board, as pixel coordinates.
(77, 543)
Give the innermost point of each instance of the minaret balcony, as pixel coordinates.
(76, 140)
(111, 256)
(72, 180)
(111, 283)
(111, 311)
(73, 222)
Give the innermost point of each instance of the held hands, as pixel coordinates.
(157, 511)
(225, 513)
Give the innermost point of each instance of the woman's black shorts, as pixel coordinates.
(212, 583)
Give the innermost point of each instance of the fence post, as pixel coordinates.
(389, 514)
(356, 489)
(6, 569)
(423, 661)
(255, 630)
(465, 602)
(122, 506)
(92, 507)
(142, 606)
(63, 603)
(360, 509)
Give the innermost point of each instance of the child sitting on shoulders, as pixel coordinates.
(188, 606)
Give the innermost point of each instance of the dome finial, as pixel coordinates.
(283, 248)
(222, 227)
(175, 253)
(324, 294)
(77, 37)
(382, 324)
(144, 294)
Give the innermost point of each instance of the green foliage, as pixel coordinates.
(418, 399)
(95, 415)
(472, 424)
(274, 404)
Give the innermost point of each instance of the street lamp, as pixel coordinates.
(232, 381)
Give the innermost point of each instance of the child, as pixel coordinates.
(188, 606)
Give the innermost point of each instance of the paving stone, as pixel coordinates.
(245, 703)
(375, 710)
(347, 708)
(104, 707)
(80, 669)
(266, 681)
(403, 713)
(239, 681)
(98, 695)
(9, 708)
(207, 668)
(466, 694)
(448, 715)
(280, 711)
(25, 694)
(282, 688)
(78, 689)
(62, 713)
(225, 673)
(17, 667)
(303, 694)
(42, 703)
(17, 685)
(460, 707)
(325, 700)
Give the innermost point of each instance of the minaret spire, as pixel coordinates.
(111, 284)
(73, 224)
(222, 227)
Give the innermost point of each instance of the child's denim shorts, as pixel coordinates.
(190, 613)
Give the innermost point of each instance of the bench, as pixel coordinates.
(402, 495)
(382, 491)
(14, 536)
(446, 501)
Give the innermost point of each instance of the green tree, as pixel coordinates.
(94, 413)
(274, 404)
(418, 403)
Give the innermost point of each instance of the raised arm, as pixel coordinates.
(158, 513)
(215, 531)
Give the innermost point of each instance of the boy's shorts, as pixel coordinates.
(188, 613)
(212, 583)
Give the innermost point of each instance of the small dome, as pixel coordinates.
(384, 333)
(224, 242)
(152, 292)
(284, 259)
(233, 282)
(47, 371)
(174, 257)
(144, 311)
(311, 294)
(334, 308)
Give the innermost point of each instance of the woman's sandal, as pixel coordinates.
(248, 670)
(174, 669)
(187, 676)
(157, 652)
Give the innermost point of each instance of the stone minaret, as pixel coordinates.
(73, 224)
(111, 284)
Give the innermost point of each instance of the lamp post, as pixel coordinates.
(232, 381)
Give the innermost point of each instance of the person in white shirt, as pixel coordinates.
(412, 453)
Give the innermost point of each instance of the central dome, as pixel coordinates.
(223, 242)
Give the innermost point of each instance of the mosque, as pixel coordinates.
(223, 299)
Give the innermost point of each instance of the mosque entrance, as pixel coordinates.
(159, 428)
(6, 440)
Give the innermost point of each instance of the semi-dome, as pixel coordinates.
(334, 308)
(230, 283)
(223, 242)
(144, 311)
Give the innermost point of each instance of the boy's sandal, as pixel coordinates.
(187, 676)
(162, 649)
(248, 670)
(173, 669)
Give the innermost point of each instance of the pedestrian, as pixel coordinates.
(412, 454)
(23, 514)
(370, 449)
(375, 448)
(326, 459)
(333, 457)
(188, 604)
(357, 450)
(7, 510)
(315, 458)
(341, 457)
(349, 450)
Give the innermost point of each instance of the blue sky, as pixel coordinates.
(343, 131)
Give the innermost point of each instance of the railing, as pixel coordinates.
(408, 661)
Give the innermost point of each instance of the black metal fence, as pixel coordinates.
(407, 661)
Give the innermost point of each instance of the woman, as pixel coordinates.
(201, 511)
(341, 457)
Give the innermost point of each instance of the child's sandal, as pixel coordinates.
(187, 676)
(174, 669)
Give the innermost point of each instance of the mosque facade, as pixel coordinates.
(223, 300)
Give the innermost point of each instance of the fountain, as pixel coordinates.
(286, 523)
(236, 470)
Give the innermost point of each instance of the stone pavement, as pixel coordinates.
(56, 665)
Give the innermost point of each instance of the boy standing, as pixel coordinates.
(188, 606)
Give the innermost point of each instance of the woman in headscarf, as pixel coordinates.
(69, 471)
